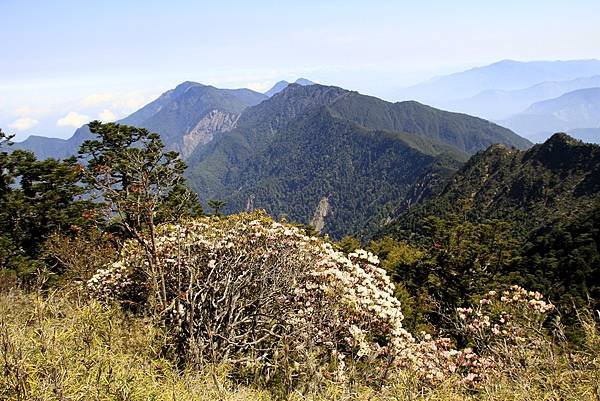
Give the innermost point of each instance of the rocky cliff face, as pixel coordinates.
(214, 123)
(323, 209)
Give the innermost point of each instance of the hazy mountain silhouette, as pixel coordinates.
(504, 75)
(573, 110)
(281, 85)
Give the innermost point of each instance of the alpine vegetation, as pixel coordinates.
(279, 305)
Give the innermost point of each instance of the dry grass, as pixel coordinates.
(64, 347)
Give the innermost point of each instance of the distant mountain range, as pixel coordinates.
(507, 90)
(281, 85)
(503, 75)
(190, 115)
(187, 116)
(579, 109)
(317, 154)
(500, 104)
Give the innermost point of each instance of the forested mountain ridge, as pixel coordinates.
(233, 141)
(551, 182)
(509, 216)
(464, 132)
(317, 150)
(359, 174)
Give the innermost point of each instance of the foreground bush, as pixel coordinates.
(265, 297)
(282, 308)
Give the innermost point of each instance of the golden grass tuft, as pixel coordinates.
(65, 347)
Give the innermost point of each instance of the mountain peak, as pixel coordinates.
(304, 82)
(281, 85)
(561, 138)
(558, 147)
(317, 94)
(563, 152)
(497, 147)
(182, 87)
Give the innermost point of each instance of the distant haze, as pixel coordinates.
(63, 63)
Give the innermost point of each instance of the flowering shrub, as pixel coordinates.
(106, 283)
(263, 294)
(506, 325)
(271, 300)
(436, 359)
(513, 316)
(120, 281)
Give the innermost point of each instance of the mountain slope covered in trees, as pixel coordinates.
(529, 217)
(337, 159)
(317, 154)
(553, 181)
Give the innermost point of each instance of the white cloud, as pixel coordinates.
(123, 101)
(107, 116)
(73, 119)
(110, 106)
(134, 101)
(24, 123)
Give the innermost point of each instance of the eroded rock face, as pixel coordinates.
(250, 203)
(323, 209)
(208, 127)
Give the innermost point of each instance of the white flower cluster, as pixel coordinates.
(533, 299)
(501, 315)
(505, 322)
(362, 294)
(496, 327)
(109, 281)
(436, 359)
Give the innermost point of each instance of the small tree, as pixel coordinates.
(129, 169)
(180, 203)
(216, 205)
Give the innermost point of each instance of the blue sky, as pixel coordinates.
(62, 62)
